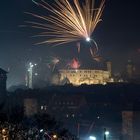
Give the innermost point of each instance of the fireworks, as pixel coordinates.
(74, 64)
(55, 60)
(52, 62)
(34, 1)
(95, 55)
(78, 47)
(67, 22)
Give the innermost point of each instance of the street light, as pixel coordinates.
(4, 134)
(54, 136)
(92, 138)
(41, 130)
(106, 134)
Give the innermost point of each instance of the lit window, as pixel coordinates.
(41, 107)
(45, 107)
(73, 115)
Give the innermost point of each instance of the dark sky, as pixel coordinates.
(118, 37)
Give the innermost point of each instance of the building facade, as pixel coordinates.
(88, 109)
(84, 76)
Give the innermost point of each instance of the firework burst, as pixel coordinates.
(74, 64)
(67, 22)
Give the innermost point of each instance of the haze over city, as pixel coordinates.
(117, 37)
(69, 70)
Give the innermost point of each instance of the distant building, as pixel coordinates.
(80, 108)
(136, 125)
(85, 76)
(109, 67)
(68, 106)
(130, 69)
(127, 125)
(130, 125)
(131, 74)
(30, 107)
(3, 79)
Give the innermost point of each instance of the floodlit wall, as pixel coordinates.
(78, 77)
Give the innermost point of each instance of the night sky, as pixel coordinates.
(118, 38)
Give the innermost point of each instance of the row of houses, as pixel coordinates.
(84, 109)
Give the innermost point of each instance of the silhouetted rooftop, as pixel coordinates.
(3, 71)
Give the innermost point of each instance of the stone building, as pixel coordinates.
(84, 76)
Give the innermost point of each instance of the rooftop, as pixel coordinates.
(3, 71)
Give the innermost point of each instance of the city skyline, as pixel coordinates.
(70, 70)
(117, 37)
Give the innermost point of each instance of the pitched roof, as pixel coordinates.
(3, 71)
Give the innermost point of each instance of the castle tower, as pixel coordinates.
(130, 69)
(109, 67)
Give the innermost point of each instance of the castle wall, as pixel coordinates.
(78, 77)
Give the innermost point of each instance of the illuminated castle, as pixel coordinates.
(83, 76)
(86, 76)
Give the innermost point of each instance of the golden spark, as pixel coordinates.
(67, 22)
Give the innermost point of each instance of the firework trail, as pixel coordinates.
(52, 62)
(94, 55)
(55, 61)
(67, 21)
(78, 47)
(34, 2)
